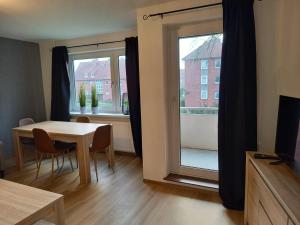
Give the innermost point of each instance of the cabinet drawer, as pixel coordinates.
(263, 218)
(290, 222)
(252, 211)
(253, 182)
(271, 206)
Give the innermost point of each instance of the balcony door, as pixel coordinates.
(199, 64)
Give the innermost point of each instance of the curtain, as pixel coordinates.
(133, 86)
(237, 103)
(60, 100)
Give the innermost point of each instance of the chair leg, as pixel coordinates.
(76, 160)
(37, 158)
(70, 160)
(95, 164)
(57, 163)
(39, 165)
(52, 168)
(63, 161)
(110, 159)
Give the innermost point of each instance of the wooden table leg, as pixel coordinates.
(112, 152)
(18, 150)
(83, 159)
(59, 211)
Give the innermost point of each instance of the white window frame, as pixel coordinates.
(204, 79)
(216, 60)
(216, 95)
(204, 66)
(204, 96)
(115, 77)
(217, 82)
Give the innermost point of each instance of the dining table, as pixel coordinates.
(24, 205)
(80, 133)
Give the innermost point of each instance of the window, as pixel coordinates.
(218, 63)
(204, 64)
(99, 88)
(217, 79)
(122, 77)
(204, 79)
(104, 70)
(204, 94)
(216, 95)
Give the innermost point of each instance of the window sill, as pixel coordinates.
(102, 116)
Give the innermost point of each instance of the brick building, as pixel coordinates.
(202, 74)
(98, 72)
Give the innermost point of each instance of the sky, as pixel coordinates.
(189, 44)
(186, 46)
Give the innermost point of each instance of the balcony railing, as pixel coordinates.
(199, 127)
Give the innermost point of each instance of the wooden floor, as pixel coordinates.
(123, 198)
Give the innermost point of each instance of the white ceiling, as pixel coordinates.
(65, 19)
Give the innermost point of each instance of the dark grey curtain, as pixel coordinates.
(60, 100)
(237, 103)
(133, 85)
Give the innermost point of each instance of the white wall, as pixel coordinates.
(278, 49)
(278, 53)
(122, 129)
(199, 131)
(153, 79)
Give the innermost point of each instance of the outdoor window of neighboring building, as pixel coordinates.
(204, 79)
(218, 63)
(204, 94)
(104, 70)
(99, 88)
(216, 95)
(204, 64)
(217, 79)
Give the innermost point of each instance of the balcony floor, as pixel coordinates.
(204, 159)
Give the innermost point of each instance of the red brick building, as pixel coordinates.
(202, 74)
(98, 72)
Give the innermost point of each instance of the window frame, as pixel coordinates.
(201, 65)
(206, 80)
(217, 82)
(216, 93)
(201, 94)
(216, 60)
(113, 54)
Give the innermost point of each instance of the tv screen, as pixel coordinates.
(287, 136)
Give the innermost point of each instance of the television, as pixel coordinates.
(287, 145)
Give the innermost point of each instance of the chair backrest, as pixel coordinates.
(26, 121)
(42, 141)
(102, 138)
(83, 119)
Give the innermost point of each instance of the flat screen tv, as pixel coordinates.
(288, 129)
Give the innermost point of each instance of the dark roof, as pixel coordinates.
(211, 48)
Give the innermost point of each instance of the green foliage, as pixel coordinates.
(199, 110)
(94, 97)
(82, 96)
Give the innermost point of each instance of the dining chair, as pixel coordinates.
(27, 141)
(101, 143)
(45, 146)
(83, 119)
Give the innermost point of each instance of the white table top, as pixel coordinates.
(64, 128)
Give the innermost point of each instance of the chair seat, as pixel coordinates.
(98, 150)
(27, 141)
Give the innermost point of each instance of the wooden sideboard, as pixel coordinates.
(272, 194)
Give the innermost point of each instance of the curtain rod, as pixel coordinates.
(97, 44)
(161, 14)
